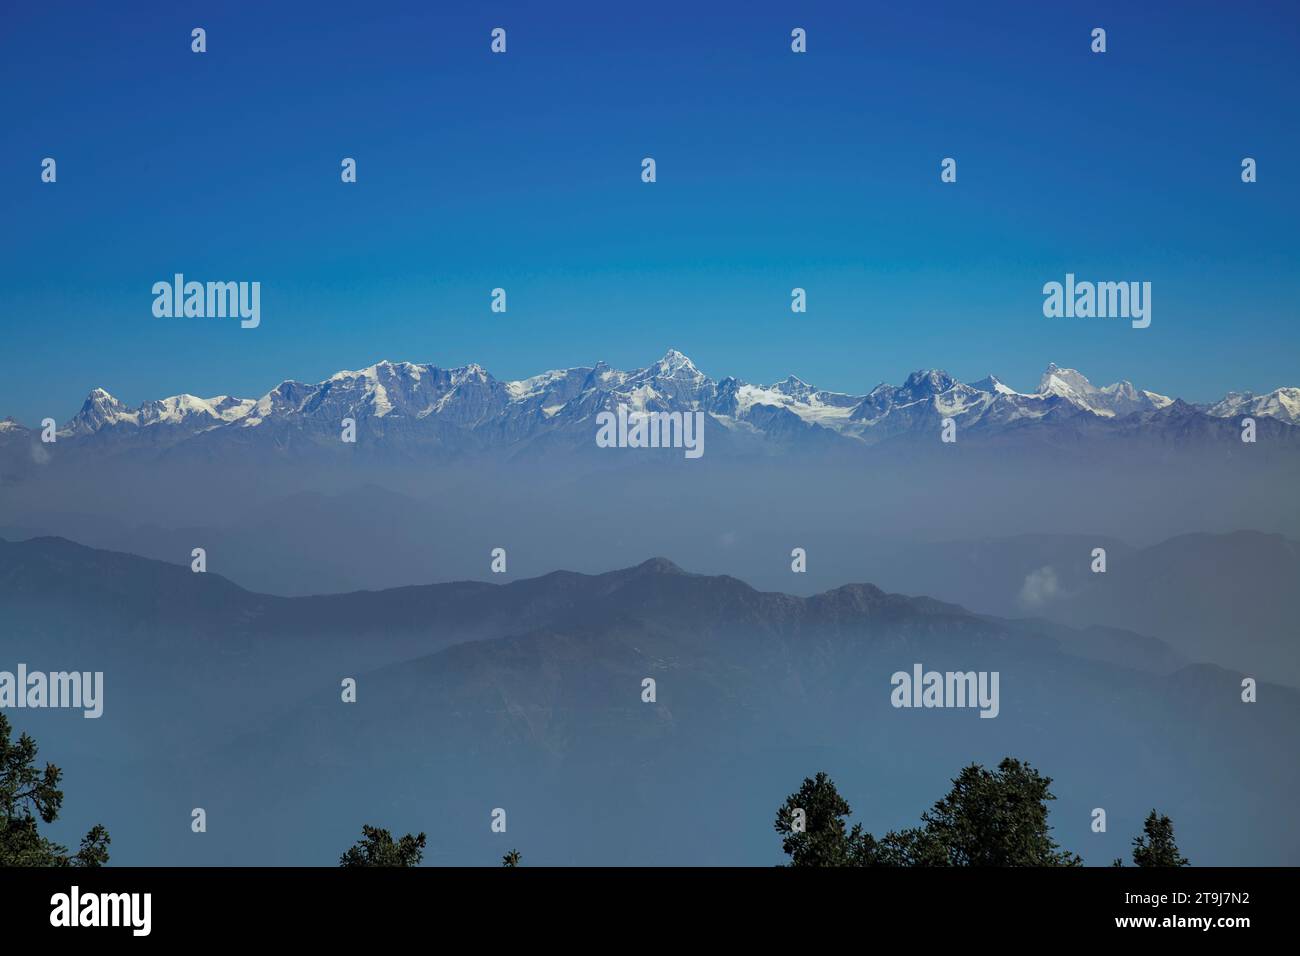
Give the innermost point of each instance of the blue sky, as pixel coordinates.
(523, 171)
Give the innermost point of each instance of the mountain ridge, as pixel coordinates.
(417, 411)
(38, 570)
(539, 704)
(470, 400)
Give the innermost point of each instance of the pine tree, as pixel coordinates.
(823, 838)
(988, 818)
(1156, 846)
(994, 818)
(28, 795)
(376, 848)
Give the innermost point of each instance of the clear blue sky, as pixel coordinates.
(523, 171)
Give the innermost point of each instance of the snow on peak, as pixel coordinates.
(1066, 382)
(526, 388)
(1110, 401)
(99, 398)
(925, 383)
(994, 385)
(472, 372)
(795, 388)
(369, 373)
(674, 359)
(469, 396)
(1281, 403)
(675, 365)
(100, 409)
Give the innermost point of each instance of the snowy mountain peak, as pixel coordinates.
(794, 387)
(1111, 401)
(675, 364)
(993, 385)
(1281, 403)
(924, 383)
(405, 395)
(1066, 382)
(99, 410)
(381, 369)
(100, 398)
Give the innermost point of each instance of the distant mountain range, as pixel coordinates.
(528, 696)
(405, 404)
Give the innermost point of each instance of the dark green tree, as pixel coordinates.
(1156, 846)
(376, 848)
(915, 846)
(28, 794)
(988, 818)
(820, 836)
(511, 859)
(993, 818)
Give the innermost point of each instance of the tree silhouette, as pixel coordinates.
(27, 794)
(988, 818)
(993, 818)
(376, 848)
(819, 836)
(1156, 846)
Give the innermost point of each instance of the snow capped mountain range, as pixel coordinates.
(1111, 401)
(1282, 404)
(405, 398)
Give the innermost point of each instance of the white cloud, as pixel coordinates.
(1040, 587)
